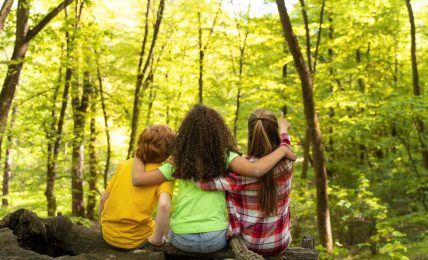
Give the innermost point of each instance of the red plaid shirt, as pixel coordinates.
(265, 235)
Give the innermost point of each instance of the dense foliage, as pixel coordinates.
(368, 112)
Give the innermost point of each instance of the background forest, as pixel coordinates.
(81, 78)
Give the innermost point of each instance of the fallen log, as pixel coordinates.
(23, 235)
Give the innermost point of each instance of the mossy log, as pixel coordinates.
(23, 235)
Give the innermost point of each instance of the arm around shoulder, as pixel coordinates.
(142, 178)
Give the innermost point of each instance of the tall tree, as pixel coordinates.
(8, 158)
(323, 211)
(142, 70)
(106, 126)
(242, 38)
(54, 136)
(23, 36)
(93, 168)
(203, 48)
(420, 128)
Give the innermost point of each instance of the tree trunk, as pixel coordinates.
(419, 124)
(152, 97)
(306, 155)
(319, 37)
(54, 139)
(4, 12)
(308, 37)
(57, 236)
(106, 127)
(8, 158)
(93, 172)
(201, 60)
(323, 212)
(80, 106)
(22, 40)
(141, 73)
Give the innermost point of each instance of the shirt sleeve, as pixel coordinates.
(285, 138)
(167, 170)
(167, 187)
(230, 157)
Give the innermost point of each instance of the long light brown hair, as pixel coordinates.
(263, 138)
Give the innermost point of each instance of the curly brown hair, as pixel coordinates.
(155, 144)
(202, 145)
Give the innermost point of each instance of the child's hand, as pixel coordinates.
(284, 125)
(152, 240)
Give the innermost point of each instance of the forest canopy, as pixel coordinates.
(82, 78)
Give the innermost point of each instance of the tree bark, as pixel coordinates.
(8, 158)
(93, 172)
(23, 37)
(202, 49)
(54, 136)
(106, 127)
(308, 37)
(4, 12)
(319, 37)
(419, 124)
(57, 236)
(242, 47)
(323, 212)
(80, 105)
(306, 154)
(141, 73)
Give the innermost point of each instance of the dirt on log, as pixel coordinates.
(23, 235)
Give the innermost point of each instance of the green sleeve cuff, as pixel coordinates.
(167, 170)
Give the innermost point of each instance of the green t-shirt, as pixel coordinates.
(195, 210)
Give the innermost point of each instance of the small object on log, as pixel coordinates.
(58, 236)
(308, 242)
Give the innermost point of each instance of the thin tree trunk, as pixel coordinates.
(308, 37)
(8, 158)
(323, 212)
(202, 50)
(319, 37)
(241, 69)
(4, 12)
(54, 139)
(80, 106)
(106, 127)
(416, 87)
(306, 155)
(152, 97)
(142, 73)
(93, 172)
(23, 37)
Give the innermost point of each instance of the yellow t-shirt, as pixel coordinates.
(126, 219)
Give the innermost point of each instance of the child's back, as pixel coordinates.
(126, 220)
(126, 211)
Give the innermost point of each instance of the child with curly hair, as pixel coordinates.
(204, 149)
(259, 212)
(126, 211)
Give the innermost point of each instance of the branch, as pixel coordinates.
(33, 32)
(4, 12)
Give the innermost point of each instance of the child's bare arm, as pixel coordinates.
(243, 167)
(103, 200)
(142, 178)
(161, 221)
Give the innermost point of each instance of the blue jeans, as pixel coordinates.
(207, 242)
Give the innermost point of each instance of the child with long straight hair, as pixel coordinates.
(259, 213)
(204, 149)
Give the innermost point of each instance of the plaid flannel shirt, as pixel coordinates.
(267, 235)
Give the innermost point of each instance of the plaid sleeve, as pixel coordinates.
(220, 184)
(285, 138)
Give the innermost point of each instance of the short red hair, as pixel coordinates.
(155, 143)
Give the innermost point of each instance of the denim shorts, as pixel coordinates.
(207, 242)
